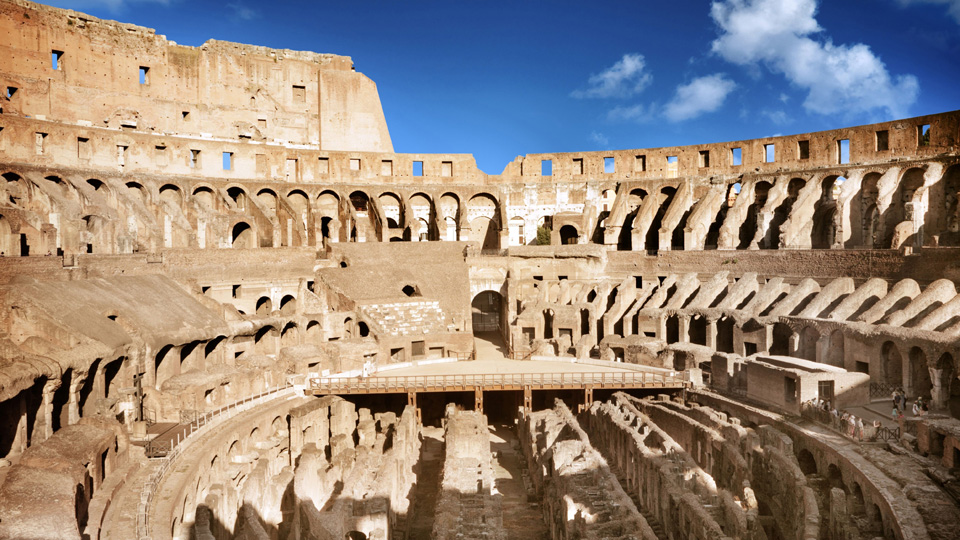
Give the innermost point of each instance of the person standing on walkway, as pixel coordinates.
(896, 413)
(860, 429)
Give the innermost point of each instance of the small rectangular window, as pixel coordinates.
(291, 170)
(446, 168)
(194, 159)
(235, 291)
(261, 124)
(386, 168)
(640, 164)
(883, 140)
(144, 75)
(121, 155)
(546, 167)
(803, 149)
(577, 165)
(843, 151)
(185, 116)
(11, 90)
(39, 143)
(228, 161)
(56, 59)
(673, 166)
(160, 155)
(418, 168)
(323, 166)
(609, 166)
(261, 164)
(736, 156)
(704, 158)
(83, 148)
(299, 94)
(923, 135)
(769, 153)
(417, 348)
(354, 164)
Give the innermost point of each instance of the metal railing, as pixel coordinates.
(826, 418)
(173, 448)
(883, 389)
(495, 381)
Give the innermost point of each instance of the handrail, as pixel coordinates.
(408, 383)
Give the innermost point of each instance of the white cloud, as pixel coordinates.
(953, 6)
(633, 113)
(838, 78)
(625, 78)
(243, 12)
(701, 95)
(599, 138)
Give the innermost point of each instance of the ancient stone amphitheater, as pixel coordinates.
(209, 331)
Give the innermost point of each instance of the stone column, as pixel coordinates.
(73, 404)
(712, 334)
(43, 428)
(684, 327)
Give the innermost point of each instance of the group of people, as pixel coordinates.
(844, 422)
(920, 406)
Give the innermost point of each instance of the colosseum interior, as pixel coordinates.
(230, 310)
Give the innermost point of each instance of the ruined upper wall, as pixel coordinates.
(72, 68)
(868, 144)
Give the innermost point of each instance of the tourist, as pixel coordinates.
(916, 407)
(860, 428)
(896, 413)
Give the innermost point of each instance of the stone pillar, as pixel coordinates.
(712, 334)
(43, 428)
(684, 327)
(73, 405)
(939, 392)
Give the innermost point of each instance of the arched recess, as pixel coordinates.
(948, 226)
(302, 220)
(393, 217)
(314, 332)
(264, 306)
(664, 200)
(781, 340)
(808, 465)
(243, 236)
(239, 197)
(267, 199)
(290, 335)
(328, 210)
(171, 195)
(634, 202)
(265, 340)
(748, 230)
(136, 192)
(835, 354)
(450, 211)
(870, 232)
(698, 330)
(823, 234)
(892, 363)
(807, 348)
(487, 310)
(725, 328)
(920, 373)
(7, 240)
(900, 228)
(517, 231)
(569, 235)
(365, 226)
(288, 305)
(423, 215)
(167, 365)
(485, 222)
(782, 212)
(204, 198)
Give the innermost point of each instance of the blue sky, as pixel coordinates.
(501, 79)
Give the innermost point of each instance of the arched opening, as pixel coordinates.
(698, 330)
(664, 199)
(288, 305)
(167, 365)
(356, 535)
(485, 227)
(920, 374)
(313, 332)
(782, 212)
(450, 210)
(203, 197)
(171, 195)
(824, 231)
(584, 322)
(328, 208)
(673, 329)
(949, 228)
(892, 363)
(363, 329)
(808, 465)
(7, 241)
(265, 340)
(548, 324)
(835, 354)
(290, 335)
(486, 309)
(239, 197)
(835, 478)
(749, 228)
(517, 236)
(61, 400)
(634, 202)
(264, 306)
(569, 235)
(725, 335)
(807, 349)
(243, 236)
(781, 340)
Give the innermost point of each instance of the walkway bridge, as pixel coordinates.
(588, 381)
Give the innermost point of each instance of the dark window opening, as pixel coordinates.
(236, 291)
(56, 59)
(704, 158)
(185, 116)
(640, 164)
(803, 149)
(411, 290)
(194, 159)
(418, 348)
(11, 90)
(577, 165)
(923, 135)
(299, 94)
(883, 141)
(144, 75)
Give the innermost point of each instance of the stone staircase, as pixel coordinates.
(647, 515)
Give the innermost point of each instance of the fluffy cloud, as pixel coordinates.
(837, 78)
(633, 113)
(599, 138)
(701, 95)
(625, 78)
(953, 6)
